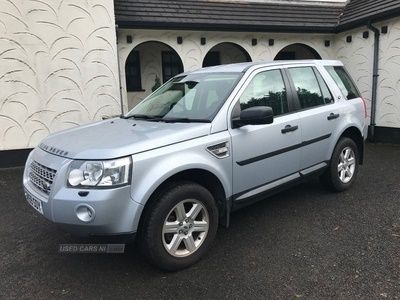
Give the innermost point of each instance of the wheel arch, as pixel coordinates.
(355, 134)
(200, 176)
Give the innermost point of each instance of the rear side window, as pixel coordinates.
(311, 91)
(326, 93)
(344, 82)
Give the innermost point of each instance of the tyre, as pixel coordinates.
(343, 167)
(179, 227)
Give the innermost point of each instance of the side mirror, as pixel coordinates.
(256, 115)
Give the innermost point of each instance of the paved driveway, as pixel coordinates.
(305, 242)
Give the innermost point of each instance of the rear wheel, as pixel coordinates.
(179, 227)
(343, 167)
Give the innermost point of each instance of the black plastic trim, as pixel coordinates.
(14, 158)
(389, 135)
(260, 196)
(283, 150)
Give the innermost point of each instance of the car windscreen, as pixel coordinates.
(197, 96)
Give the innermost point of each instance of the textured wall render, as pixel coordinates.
(388, 105)
(58, 67)
(358, 58)
(192, 53)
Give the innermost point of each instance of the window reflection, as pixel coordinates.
(266, 89)
(310, 90)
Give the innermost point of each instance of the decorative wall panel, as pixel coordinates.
(58, 67)
(358, 58)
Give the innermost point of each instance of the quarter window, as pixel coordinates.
(344, 82)
(309, 88)
(266, 89)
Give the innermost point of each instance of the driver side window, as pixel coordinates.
(265, 89)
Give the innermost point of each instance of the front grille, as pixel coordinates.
(41, 177)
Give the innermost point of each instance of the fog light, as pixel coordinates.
(85, 213)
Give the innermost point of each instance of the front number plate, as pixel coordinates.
(35, 203)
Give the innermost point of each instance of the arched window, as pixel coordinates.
(297, 51)
(132, 72)
(149, 65)
(225, 53)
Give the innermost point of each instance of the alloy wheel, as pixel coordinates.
(347, 165)
(185, 228)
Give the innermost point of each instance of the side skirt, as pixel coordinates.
(260, 193)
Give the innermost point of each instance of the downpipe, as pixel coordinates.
(375, 76)
(119, 73)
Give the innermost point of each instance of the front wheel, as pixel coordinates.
(343, 167)
(180, 227)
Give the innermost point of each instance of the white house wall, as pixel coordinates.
(358, 58)
(388, 106)
(58, 67)
(192, 53)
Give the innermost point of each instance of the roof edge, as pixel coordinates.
(251, 28)
(371, 19)
(218, 27)
(314, 3)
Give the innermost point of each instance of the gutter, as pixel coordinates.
(119, 73)
(129, 24)
(375, 75)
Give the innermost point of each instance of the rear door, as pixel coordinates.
(353, 104)
(265, 155)
(318, 114)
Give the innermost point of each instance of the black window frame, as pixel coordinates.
(130, 87)
(165, 64)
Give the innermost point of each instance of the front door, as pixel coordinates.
(265, 154)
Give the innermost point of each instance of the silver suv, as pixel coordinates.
(204, 144)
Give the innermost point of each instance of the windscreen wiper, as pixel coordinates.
(184, 120)
(166, 120)
(143, 117)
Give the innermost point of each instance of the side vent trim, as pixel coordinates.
(220, 150)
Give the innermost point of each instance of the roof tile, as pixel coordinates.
(233, 15)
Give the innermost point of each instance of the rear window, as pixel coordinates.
(344, 82)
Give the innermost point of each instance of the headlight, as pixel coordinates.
(107, 173)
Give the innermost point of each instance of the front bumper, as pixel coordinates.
(113, 212)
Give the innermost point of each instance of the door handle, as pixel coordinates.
(289, 128)
(333, 116)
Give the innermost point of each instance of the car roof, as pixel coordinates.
(243, 67)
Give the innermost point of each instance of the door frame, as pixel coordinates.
(290, 93)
